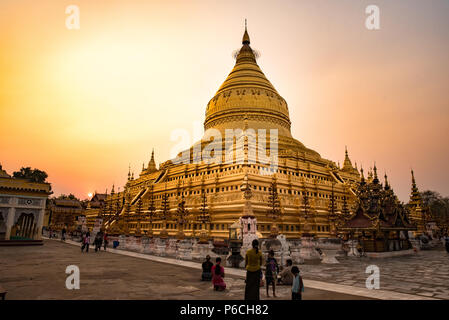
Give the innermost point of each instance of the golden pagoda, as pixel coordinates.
(245, 100)
(417, 208)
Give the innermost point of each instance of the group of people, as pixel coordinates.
(99, 240)
(254, 276)
(253, 264)
(214, 273)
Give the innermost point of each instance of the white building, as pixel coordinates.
(22, 207)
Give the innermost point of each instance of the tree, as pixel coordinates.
(438, 207)
(34, 175)
(67, 197)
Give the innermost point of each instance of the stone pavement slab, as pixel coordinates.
(39, 273)
(348, 277)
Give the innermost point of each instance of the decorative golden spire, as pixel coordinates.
(347, 165)
(415, 197)
(245, 39)
(387, 186)
(152, 164)
(375, 180)
(362, 175)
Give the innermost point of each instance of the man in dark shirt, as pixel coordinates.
(207, 270)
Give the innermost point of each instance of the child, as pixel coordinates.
(271, 271)
(298, 286)
(86, 242)
(218, 275)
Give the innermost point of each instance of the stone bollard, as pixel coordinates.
(307, 251)
(295, 254)
(285, 250)
(330, 249)
(352, 245)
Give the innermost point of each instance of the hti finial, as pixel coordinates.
(375, 171)
(245, 39)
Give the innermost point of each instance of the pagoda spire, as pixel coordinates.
(347, 164)
(152, 164)
(376, 179)
(415, 197)
(245, 39)
(387, 186)
(362, 180)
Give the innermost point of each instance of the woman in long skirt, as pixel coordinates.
(253, 264)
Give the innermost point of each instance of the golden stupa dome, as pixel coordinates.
(247, 94)
(247, 99)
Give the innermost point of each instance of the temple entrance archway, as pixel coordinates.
(25, 226)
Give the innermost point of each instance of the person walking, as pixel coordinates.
(105, 241)
(207, 269)
(298, 286)
(271, 271)
(218, 275)
(86, 242)
(253, 263)
(63, 232)
(98, 241)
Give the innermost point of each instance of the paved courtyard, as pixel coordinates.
(425, 273)
(39, 273)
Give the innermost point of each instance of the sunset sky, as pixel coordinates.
(84, 104)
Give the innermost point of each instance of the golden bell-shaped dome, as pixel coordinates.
(246, 92)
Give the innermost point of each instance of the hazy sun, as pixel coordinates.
(90, 194)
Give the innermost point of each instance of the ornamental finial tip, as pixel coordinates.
(245, 39)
